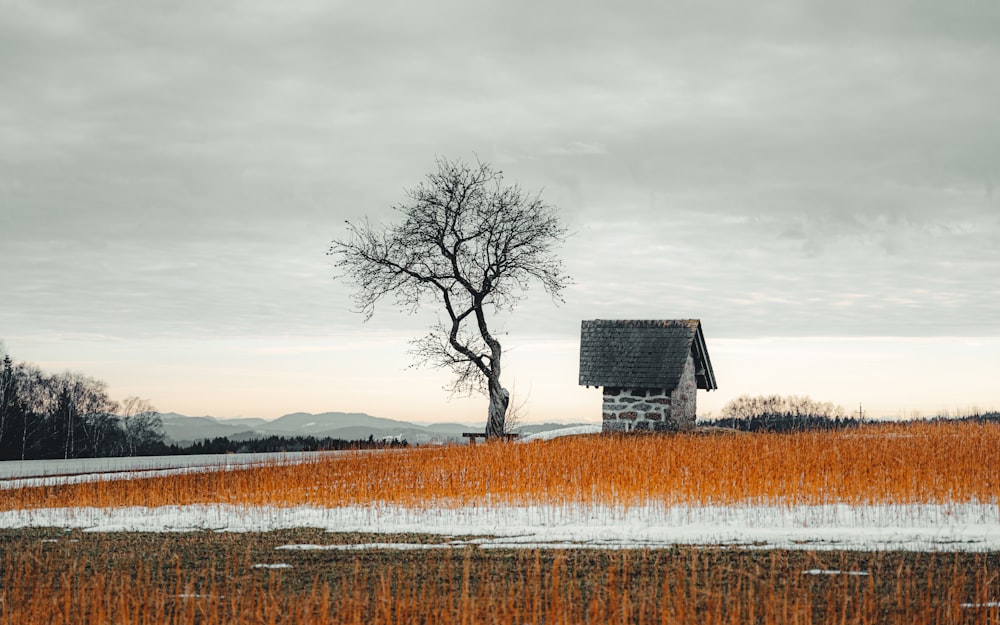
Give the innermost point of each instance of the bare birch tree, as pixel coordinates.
(473, 245)
(6, 391)
(142, 426)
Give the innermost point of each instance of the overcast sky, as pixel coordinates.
(818, 182)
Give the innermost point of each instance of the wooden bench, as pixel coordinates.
(472, 436)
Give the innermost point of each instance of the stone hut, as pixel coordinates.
(651, 371)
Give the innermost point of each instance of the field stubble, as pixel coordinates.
(55, 577)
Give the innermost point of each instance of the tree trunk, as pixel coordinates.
(499, 398)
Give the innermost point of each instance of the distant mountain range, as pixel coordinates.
(185, 430)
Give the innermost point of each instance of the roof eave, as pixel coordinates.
(705, 363)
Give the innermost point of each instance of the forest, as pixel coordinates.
(69, 415)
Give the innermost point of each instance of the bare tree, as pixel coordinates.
(37, 399)
(747, 407)
(473, 245)
(6, 391)
(517, 412)
(86, 414)
(141, 424)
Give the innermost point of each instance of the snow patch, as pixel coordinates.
(33, 473)
(560, 432)
(369, 546)
(917, 527)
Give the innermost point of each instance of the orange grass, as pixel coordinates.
(923, 463)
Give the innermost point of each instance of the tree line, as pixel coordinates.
(69, 415)
(272, 444)
(775, 413)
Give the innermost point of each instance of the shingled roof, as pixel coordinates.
(642, 353)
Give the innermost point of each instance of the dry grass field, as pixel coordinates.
(58, 576)
(923, 463)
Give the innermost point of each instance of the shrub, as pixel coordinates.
(775, 413)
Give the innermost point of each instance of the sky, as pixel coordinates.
(819, 183)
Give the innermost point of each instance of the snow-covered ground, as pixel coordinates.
(570, 431)
(22, 473)
(951, 527)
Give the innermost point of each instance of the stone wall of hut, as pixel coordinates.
(652, 409)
